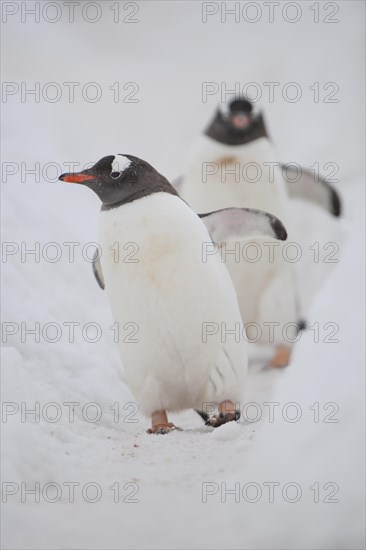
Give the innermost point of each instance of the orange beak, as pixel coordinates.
(76, 178)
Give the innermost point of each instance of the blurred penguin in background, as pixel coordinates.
(234, 164)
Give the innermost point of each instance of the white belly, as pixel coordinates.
(245, 177)
(167, 295)
(219, 174)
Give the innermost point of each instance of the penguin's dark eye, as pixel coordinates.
(115, 175)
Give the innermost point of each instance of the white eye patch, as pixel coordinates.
(120, 164)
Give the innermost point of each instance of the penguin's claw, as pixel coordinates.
(161, 429)
(281, 358)
(222, 418)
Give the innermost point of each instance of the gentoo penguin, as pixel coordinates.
(235, 164)
(182, 304)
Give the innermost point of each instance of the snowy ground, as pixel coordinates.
(178, 481)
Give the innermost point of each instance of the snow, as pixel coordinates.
(169, 54)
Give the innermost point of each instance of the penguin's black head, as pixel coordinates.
(118, 179)
(239, 113)
(236, 124)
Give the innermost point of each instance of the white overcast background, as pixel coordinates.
(169, 53)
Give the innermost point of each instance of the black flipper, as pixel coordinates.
(243, 222)
(97, 269)
(205, 417)
(302, 184)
